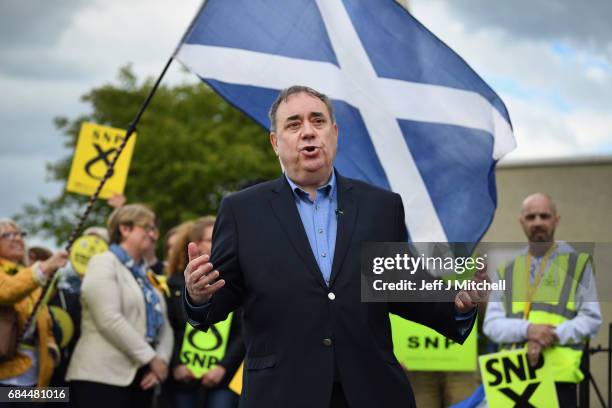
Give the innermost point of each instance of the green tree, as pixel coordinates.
(192, 149)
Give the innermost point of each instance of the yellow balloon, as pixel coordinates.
(83, 249)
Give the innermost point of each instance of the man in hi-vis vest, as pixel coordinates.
(550, 302)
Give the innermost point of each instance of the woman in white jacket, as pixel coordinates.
(126, 340)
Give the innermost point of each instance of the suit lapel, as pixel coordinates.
(283, 205)
(347, 217)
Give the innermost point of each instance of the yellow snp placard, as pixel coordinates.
(96, 148)
(509, 380)
(201, 351)
(420, 348)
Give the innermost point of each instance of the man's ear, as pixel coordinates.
(274, 142)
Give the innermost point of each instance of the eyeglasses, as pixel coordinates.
(148, 227)
(13, 235)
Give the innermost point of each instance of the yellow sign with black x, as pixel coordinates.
(510, 381)
(95, 150)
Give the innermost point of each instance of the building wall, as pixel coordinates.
(582, 191)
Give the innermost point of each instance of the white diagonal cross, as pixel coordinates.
(381, 102)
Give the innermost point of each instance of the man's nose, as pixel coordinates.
(308, 130)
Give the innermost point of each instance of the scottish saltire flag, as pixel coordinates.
(413, 116)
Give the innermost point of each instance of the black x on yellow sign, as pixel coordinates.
(95, 150)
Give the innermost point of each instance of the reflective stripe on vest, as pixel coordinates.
(566, 266)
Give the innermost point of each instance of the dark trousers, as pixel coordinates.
(87, 394)
(567, 394)
(337, 398)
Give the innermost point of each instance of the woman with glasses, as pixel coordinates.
(31, 362)
(126, 340)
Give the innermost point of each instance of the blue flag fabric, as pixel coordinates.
(413, 116)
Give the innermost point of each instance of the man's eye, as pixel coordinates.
(293, 125)
(318, 121)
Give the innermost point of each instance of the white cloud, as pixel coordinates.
(583, 25)
(558, 101)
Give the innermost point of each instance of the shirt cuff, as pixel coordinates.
(525, 329)
(37, 274)
(465, 316)
(196, 315)
(464, 320)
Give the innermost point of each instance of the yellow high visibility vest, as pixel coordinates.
(553, 302)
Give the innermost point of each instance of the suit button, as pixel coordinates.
(331, 295)
(327, 342)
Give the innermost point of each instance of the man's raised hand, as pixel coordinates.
(200, 278)
(466, 300)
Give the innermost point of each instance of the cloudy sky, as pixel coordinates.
(550, 61)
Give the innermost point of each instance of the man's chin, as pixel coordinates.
(312, 174)
(540, 240)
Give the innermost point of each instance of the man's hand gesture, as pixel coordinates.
(466, 300)
(200, 279)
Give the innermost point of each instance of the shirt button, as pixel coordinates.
(324, 254)
(320, 230)
(327, 342)
(331, 295)
(316, 207)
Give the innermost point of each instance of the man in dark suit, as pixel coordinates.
(288, 252)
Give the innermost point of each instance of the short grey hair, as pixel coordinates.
(7, 222)
(296, 89)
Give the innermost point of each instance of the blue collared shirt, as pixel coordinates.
(320, 221)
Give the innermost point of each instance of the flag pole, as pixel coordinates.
(109, 172)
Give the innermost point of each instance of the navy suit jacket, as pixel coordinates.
(299, 338)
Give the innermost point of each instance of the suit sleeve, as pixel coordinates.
(440, 316)
(224, 258)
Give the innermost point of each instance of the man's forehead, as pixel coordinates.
(300, 104)
(537, 205)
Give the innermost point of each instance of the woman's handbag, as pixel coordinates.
(8, 333)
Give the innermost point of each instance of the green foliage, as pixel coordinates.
(192, 148)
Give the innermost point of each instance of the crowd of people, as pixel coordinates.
(310, 340)
(122, 342)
